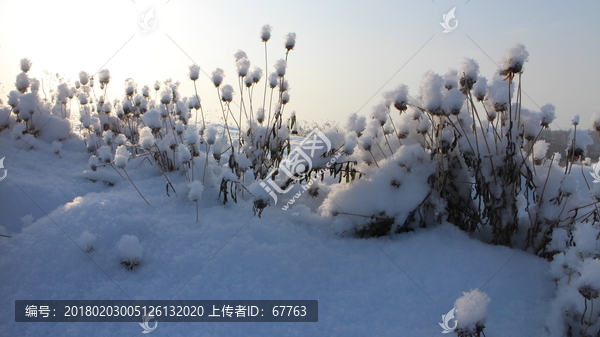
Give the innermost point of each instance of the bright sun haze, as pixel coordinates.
(345, 51)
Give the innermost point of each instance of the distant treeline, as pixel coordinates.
(559, 142)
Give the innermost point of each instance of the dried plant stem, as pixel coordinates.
(141, 195)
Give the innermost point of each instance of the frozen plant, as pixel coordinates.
(194, 72)
(265, 33)
(217, 77)
(514, 59)
(86, 241)
(471, 312)
(25, 64)
(290, 41)
(130, 251)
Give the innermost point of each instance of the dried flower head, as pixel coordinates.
(514, 59)
(194, 72)
(588, 291)
(280, 66)
(84, 78)
(265, 33)
(104, 76)
(273, 80)
(25, 64)
(227, 93)
(217, 77)
(290, 41)
(22, 82)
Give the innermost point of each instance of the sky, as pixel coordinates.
(347, 52)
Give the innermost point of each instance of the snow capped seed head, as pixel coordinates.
(514, 59)
(498, 92)
(25, 64)
(130, 250)
(105, 154)
(108, 137)
(63, 93)
(285, 86)
(86, 241)
(194, 72)
(196, 189)
(285, 97)
(548, 114)
(398, 97)
(380, 113)
(451, 79)
(35, 86)
(22, 82)
(248, 80)
(166, 96)
(152, 119)
(240, 54)
(290, 41)
(431, 92)
(471, 310)
(356, 123)
(84, 78)
(77, 84)
(243, 66)
(468, 73)
(480, 88)
(280, 66)
(416, 114)
(106, 108)
(137, 100)
(273, 80)
(146, 91)
(194, 102)
(104, 76)
(93, 162)
(183, 152)
(260, 115)
(424, 125)
(217, 77)
(130, 87)
(575, 120)
(227, 93)
(121, 157)
(265, 33)
(146, 138)
(162, 110)
(256, 75)
(211, 135)
(13, 98)
(157, 85)
(83, 99)
(56, 146)
(350, 143)
(120, 140)
(453, 102)
(191, 135)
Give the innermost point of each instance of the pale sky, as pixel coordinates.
(345, 51)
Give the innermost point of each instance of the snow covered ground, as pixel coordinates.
(398, 286)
